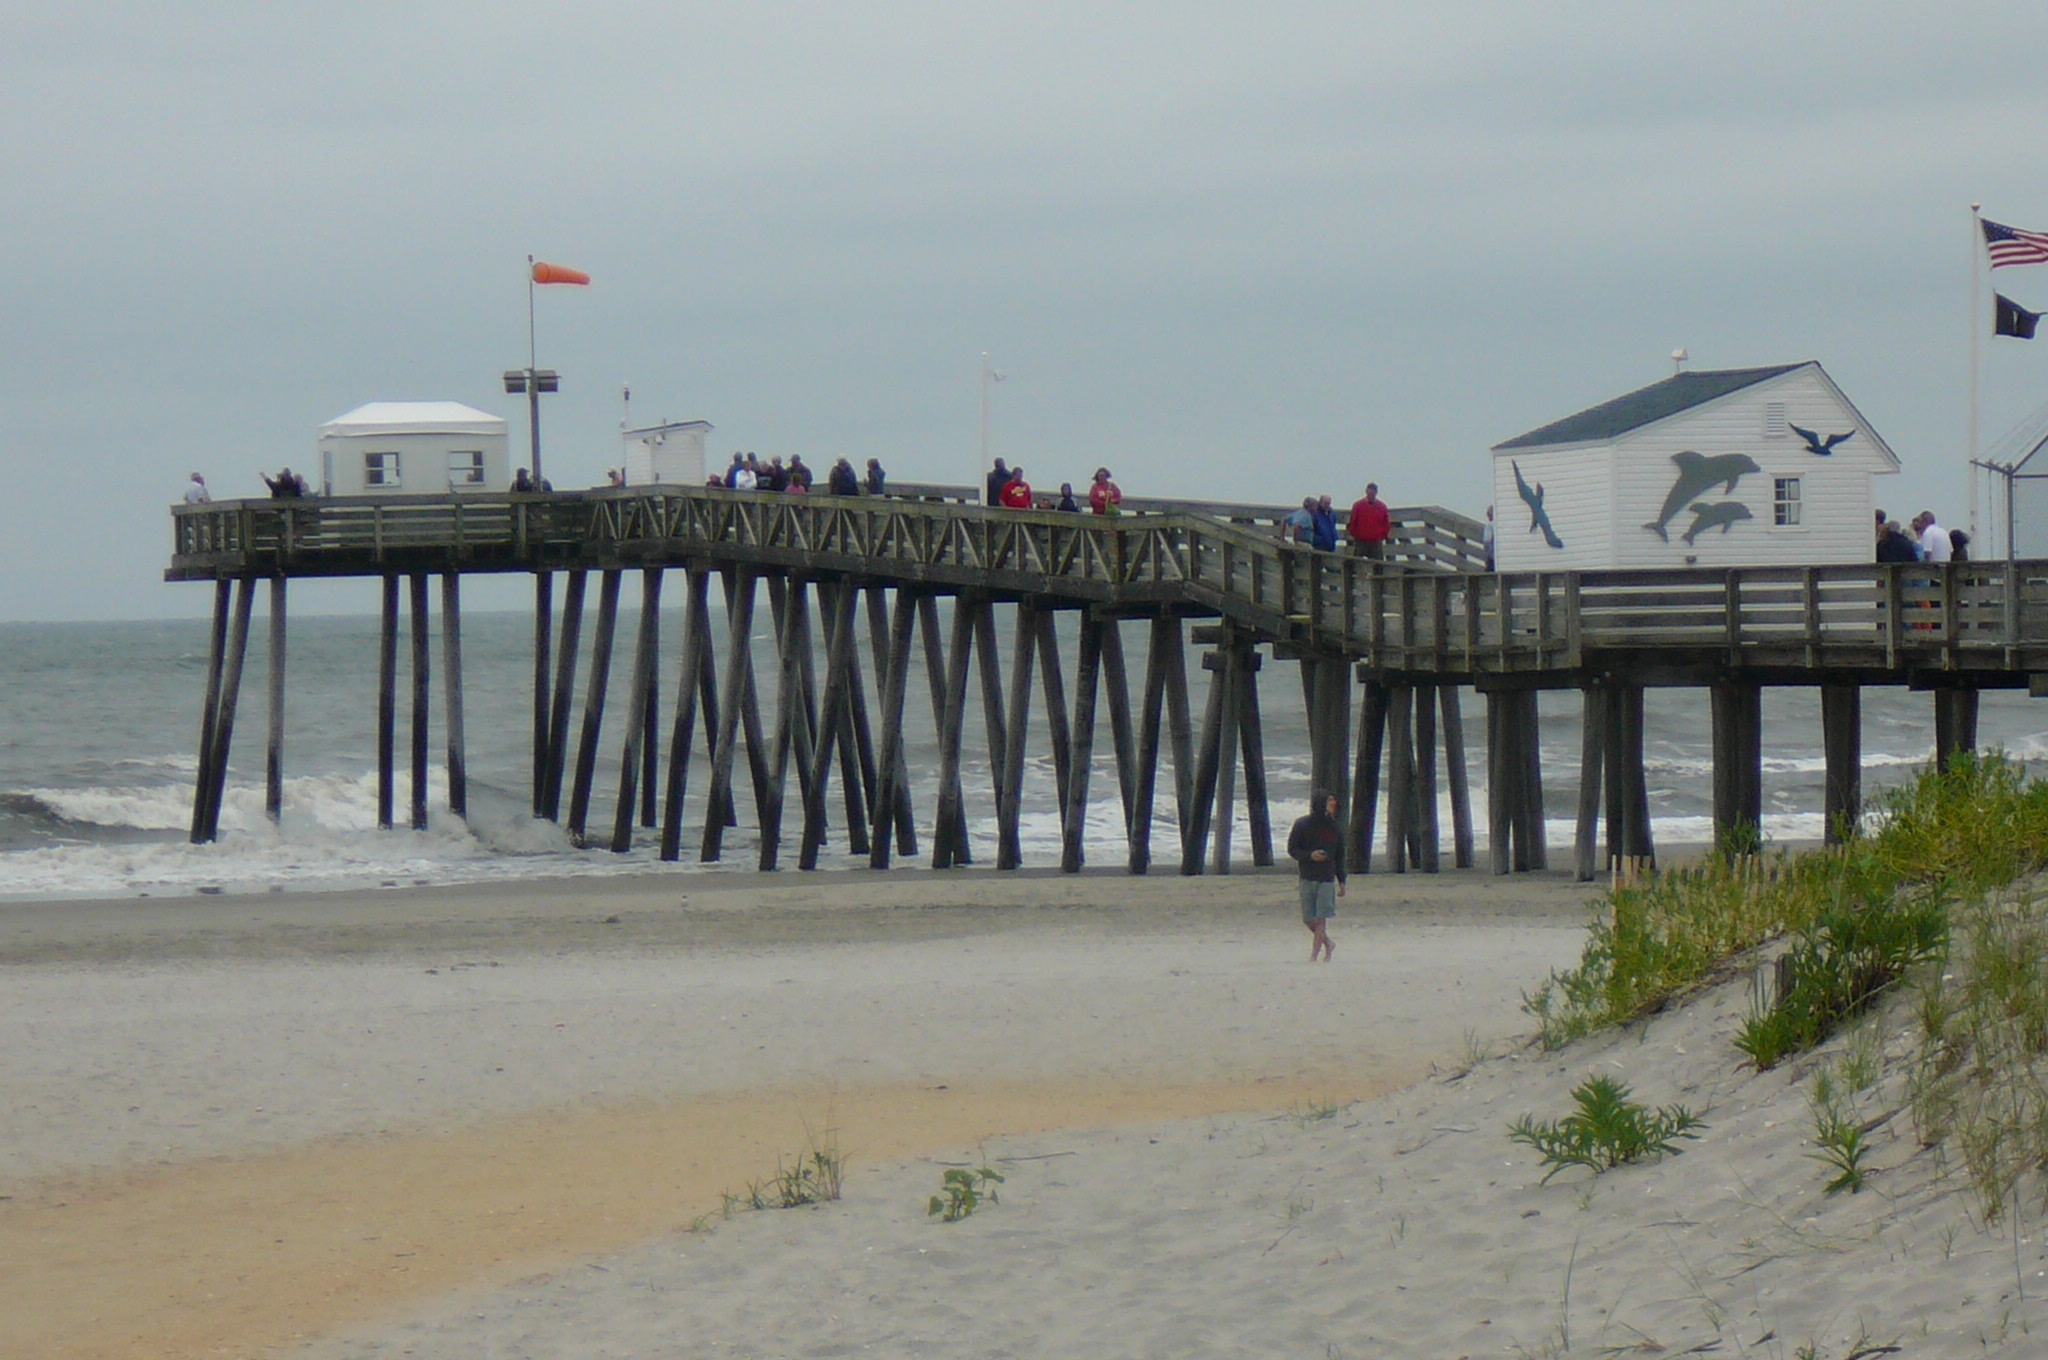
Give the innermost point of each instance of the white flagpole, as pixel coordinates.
(984, 415)
(1976, 318)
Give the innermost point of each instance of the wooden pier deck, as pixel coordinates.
(1410, 631)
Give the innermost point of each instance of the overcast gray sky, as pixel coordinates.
(1232, 250)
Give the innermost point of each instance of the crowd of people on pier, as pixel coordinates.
(748, 472)
(1006, 486)
(1927, 542)
(1366, 528)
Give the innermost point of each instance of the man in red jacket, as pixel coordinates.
(1369, 524)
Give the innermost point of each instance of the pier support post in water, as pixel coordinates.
(562, 698)
(223, 689)
(417, 633)
(1955, 725)
(1592, 762)
(1738, 763)
(1628, 797)
(543, 704)
(451, 679)
(640, 728)
(1841, 725)
(1454, 776)
(273, 756)
(695, 649)
(387, 699)
(1365, 777)
(593, 704)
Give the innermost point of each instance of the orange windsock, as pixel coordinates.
(543, 272)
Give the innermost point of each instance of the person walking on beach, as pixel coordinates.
(1317, 845)
(1369, 525)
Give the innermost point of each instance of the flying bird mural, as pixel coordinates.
(1815, 444)
(1697, 474)
(1539, 518)
(1719, 515)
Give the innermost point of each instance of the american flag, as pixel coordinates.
(2010, 245)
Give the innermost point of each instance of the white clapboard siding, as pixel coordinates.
(1604, 525)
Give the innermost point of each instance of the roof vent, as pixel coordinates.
(1774, 420)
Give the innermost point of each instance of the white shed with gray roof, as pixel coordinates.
(1736, 467)
(398, 447)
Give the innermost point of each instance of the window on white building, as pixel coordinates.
(1785, 501)
(380, 469)
(465, 468)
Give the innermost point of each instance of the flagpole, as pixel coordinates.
(1976, 315)
(532, 382)
(984, 412)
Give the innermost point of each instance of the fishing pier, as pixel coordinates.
(1385, 651)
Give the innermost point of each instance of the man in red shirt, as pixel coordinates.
(1369, 524)
(1016, 493)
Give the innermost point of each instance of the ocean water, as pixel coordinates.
(99, 724)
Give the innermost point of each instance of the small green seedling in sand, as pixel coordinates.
(1838, 1132)
(961, 1192)
(1606, 1130)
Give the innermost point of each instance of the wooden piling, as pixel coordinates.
(230, 695)
(1424, 843)
(387, 698)
(1737, 707)
(1252, 740)
(1117, 692)
(836, 603)
(639, 734)
(451, 684)
(273, 756)
(1201, 811)
(1080, 763)
(1365, 776)
(1017, 716)
(731, 704)
(1400, 775)
(1230, 676)
(593, 704)
(563, 696)
(696, 636)
(421, 687)
(1592, 758)
(895, 810)
(543, 702)
(949, 705)
(1841, 725)
(209, 714)
(791, 641)
(890, 767)
(1455, 774)
(1955, 725)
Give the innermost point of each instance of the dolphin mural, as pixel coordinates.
(1538, 517)
(1719, 515)
(1696, 474)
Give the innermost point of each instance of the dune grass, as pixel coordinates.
(1858, 915)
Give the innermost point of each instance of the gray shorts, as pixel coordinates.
(1318, 900)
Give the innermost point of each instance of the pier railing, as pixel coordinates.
(1409, 613)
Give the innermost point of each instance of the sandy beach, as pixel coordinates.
(480, 1122)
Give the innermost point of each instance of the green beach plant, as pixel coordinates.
(1951, 833)
(1607, 1130)
(962, 1191)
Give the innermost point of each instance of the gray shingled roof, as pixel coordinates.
(1611, 419)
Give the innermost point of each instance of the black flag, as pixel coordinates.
(2013, 319)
